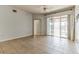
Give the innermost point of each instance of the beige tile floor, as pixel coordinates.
(39, 45)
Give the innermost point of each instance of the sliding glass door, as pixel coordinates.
(64, 26)
(58, 26)
(49, 25)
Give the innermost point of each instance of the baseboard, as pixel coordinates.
(40, 35)
(15, 38)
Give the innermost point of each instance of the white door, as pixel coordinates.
(37, 27)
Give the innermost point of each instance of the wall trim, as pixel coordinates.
(15, 38)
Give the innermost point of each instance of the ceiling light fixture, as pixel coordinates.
(44, 7)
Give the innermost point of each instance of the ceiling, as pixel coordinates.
(38, 9)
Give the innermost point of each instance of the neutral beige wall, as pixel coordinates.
(14, 25)
(76, 22)
(61, 13)
(72, 28)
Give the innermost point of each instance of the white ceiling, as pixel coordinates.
(39, 8)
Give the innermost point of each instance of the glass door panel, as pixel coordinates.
(57, 27)
(64, 27)
(49, 26)
(52, 27)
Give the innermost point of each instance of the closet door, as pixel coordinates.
(37, 27)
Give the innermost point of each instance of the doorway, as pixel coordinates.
(37, 27)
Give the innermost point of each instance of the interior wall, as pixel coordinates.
(14, 24)
(77, 22)
(61, 13)
(72, 25)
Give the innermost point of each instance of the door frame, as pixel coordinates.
(33, 27)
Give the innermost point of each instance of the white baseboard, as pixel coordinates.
(15, 38)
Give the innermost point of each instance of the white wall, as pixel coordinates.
(14, 25)
(72, 19)
(61, 13)
(77, 22)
